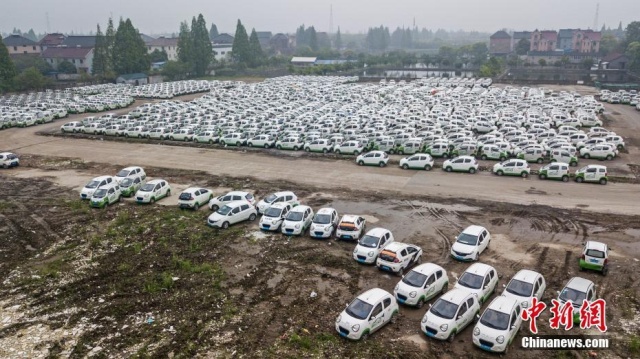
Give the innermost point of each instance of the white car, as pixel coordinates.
(420, 161)
(152, 191)
(131, 172)
(234, 196)
(351, 227)
(592, 173)
(274, 216)
(209, 137)
(8, 159)
(297, 220)
(576, 291)
(349, 147)
(599, 151)
(397, 257)
(318, 145)
(366, 314)
(524, 286)
(194, 197)
(498, 325)
(470, 243)
(232, 213)
(290, 143)
(73, 127)
(461, 164)
(265, 141)
(555, 170)
(277, 197)
(324, 223)
(479, 278)
(371, 244)
(421, 284)
(450, 314)
(512, 167)
(94, 184)
(373, 158)
(105, 195)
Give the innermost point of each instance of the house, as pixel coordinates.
(81, 57)
(551, 57)
(51, 40)
(500, 43)
(264, 37)
(565, 39)
(168, 45)
(303, 61)
(586, 41)
(133, 79)
(222, 39)
(79, 41)
(147, 39)
(280, 44)
(517, 36)
(222, 51)
(17, 44)
(615, 61)
(543, 41)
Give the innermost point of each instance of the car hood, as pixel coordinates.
(490, 333)
(404, 288)
(271, 220)
(362, 250)
(436, 321)
(317, 226)
(216, 217)
(519, 298)
(347, 321)
(463, 248)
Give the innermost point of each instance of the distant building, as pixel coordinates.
(280, 44)
(168, 45)
(517, 36)
(500, 43)
(551, 57)
(615, 61)
(223, 39)
(565, 39)
(264, 37)
(303, 61)
(543, 41)
(51, 40)
(147, 39)
(79, 41)
(81, 57)
(586, 41)
(133, 79)
(17, 44)
(222, 51)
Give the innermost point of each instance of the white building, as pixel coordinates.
(168, 45)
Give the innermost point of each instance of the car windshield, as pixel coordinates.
(414, 279)
(224, 210)
(359, 309)
(100, 193)
(123, 173)
(595, 253)
(294, 216)
(148, 187)
(322, 219)
(520, 288)
(369, 241)
(126, 182)
(470, 280)
(92, 184)
(273, 212)
(185, 196)
(270, 198)
(575, 296)
(444, 309)
(467, 239)
(11, 156)
(494, 319)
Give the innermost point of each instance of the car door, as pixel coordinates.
(111, 195)
(376, 320)
(387, 308)
(235, 216)
(553, 171)
(462, 318)
(482, 242)
(509, 167)
(157, 190)
(430, 287)
(514, 323)
(244, 212)
(590, 175)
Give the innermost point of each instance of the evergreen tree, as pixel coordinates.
(7, 68)
(184, 43)
(255, 49)
(110, 38)
(213, 32)
(31, 35)
(312, 38)
(338, 39)
(240, 51)
(129, 51)
(202, 50)
(100, 54)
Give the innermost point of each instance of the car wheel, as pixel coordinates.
(400, 272)
(196, 207)
(279, 147)
(324, 150)
(543, 176)
(225, 225)
(364, 336)
(127, 135)
(444, 289)
(337, 152)
(401, 152)
(605, 270)
(214, 208)
(565, 178)
(139, 136)
(483, 157)
(355, 153)
(394, 318)
(476, 257)
(573, 164)
(472, 170)
(445, 155)
(360, 163)
(609, 157)
(476, 317)
(449, 169)
(307, 149)
(503, 158)
(152, 201)
(252, 217)
(168, 193)
(382, 164)
(586, 155)
(603, 181)
(266, 145)
(171, 138)
(620, 147)
(506, 350)
(499, 173)
(405, 166)
(524, 174)
(452, 337)
(106, 204)
(539, 160)
(579, 179)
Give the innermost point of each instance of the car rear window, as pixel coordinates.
(347, 226)
(185, 196)
(595, 253)
(387, 256)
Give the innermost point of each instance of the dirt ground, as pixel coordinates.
(156, 281)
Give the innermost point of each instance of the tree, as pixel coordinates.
(175, 70)
(67, 68)
(184, 43)
(608, 44)
(523, 46)
(312, 37)
(155, 56)
(240, 51)
(378, 38)
(633, 51)
(201, 49)
(338, 39)
(100, 54)
(565, 60)
(31, 35)
(31, 79)
(213, 31)
(587, 63)
(633, 33)
(491, 67)
(129, 51)
(110, 41)
(7, 68)
(542, 62)
(255, 49)
(24, 62)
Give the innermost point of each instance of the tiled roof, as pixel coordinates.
(500, 35)
(17, 40)
(79, 41)
(52, 40)
(66, 52)
(164, 41)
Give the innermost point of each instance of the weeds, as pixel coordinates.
(634, 346)
(163, 281)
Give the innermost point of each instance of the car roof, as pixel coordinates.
(503, 304)
(526, 275)
(596, 166)
(396, 246)
(300, 208)
(281, 205)
(377, 232)
(579, 283)
(479, 268)
(237, 203)
(352, 218)
(236, 193)
(456, 295)
(132, 167)
(326, 210)
(100, 178)
(558, 163)
(428, 268)
(284, 193)
(155, 181)
(473, 230)
(373, 295)
(192, 189)
(6, 153)
(596, 245)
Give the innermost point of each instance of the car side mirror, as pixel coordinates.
(513, 327)
(478, 316)
(557, 291)
(373, 317)
(504, 286)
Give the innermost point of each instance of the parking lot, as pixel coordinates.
(94, 273)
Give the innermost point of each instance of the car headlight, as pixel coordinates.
(339, 319)
(327, 229)
(413, 294)
(355, 250)
(476, 331)
(297, 226)
(424, 319)
(371, 254)
(524, 304)
(355, 328)
(396, 288)
(444, 327)
(500, 339)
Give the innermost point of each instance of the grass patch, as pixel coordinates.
(300, 342)
(163, 281)
(52, 269)
(78, 206)
(634, 346)
(4, 206)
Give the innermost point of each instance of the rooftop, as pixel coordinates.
(18, 40)
(66, 52)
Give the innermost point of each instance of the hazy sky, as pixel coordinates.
(160, 16)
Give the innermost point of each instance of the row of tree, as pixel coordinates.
(120, 51)
(195, 51)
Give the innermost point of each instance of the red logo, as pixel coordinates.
(532, 313)
(562, 314)
(593, 315)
